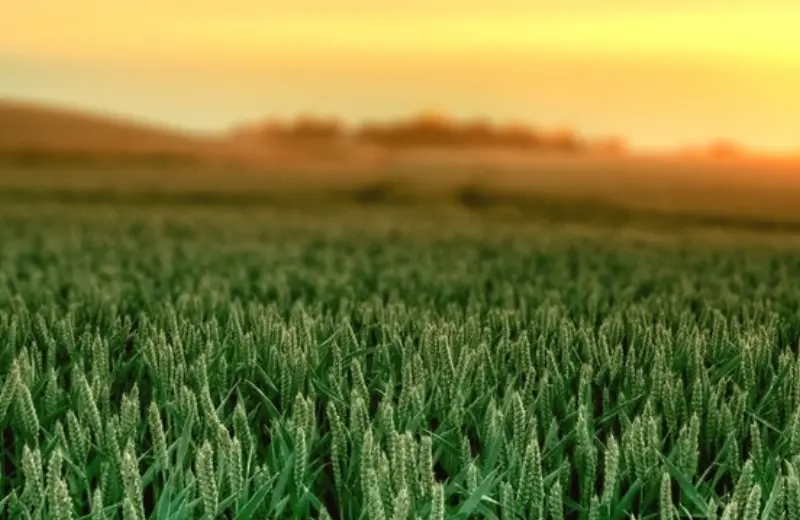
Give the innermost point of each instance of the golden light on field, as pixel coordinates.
(734, 66)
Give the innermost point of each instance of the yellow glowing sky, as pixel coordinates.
(661, 72)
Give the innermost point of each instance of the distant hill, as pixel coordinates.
(32, 132)
(39, 128)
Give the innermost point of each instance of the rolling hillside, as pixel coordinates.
(43, 133)
(38, 141)
(29, 127)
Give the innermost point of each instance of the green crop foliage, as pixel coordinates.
(385, 363)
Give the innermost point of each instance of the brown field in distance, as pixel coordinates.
(48, 150)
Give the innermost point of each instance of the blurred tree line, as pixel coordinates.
(434, 130)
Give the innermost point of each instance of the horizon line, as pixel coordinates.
(230, 128)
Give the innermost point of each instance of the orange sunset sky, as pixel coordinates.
(661, 72)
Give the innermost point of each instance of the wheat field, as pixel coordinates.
(379, 362)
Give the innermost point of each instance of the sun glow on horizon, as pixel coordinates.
(733, 66)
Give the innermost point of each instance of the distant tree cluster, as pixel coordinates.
(434, 130)
(302, 127)
(428, 130)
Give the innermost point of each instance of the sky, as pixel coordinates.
(662, 73)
